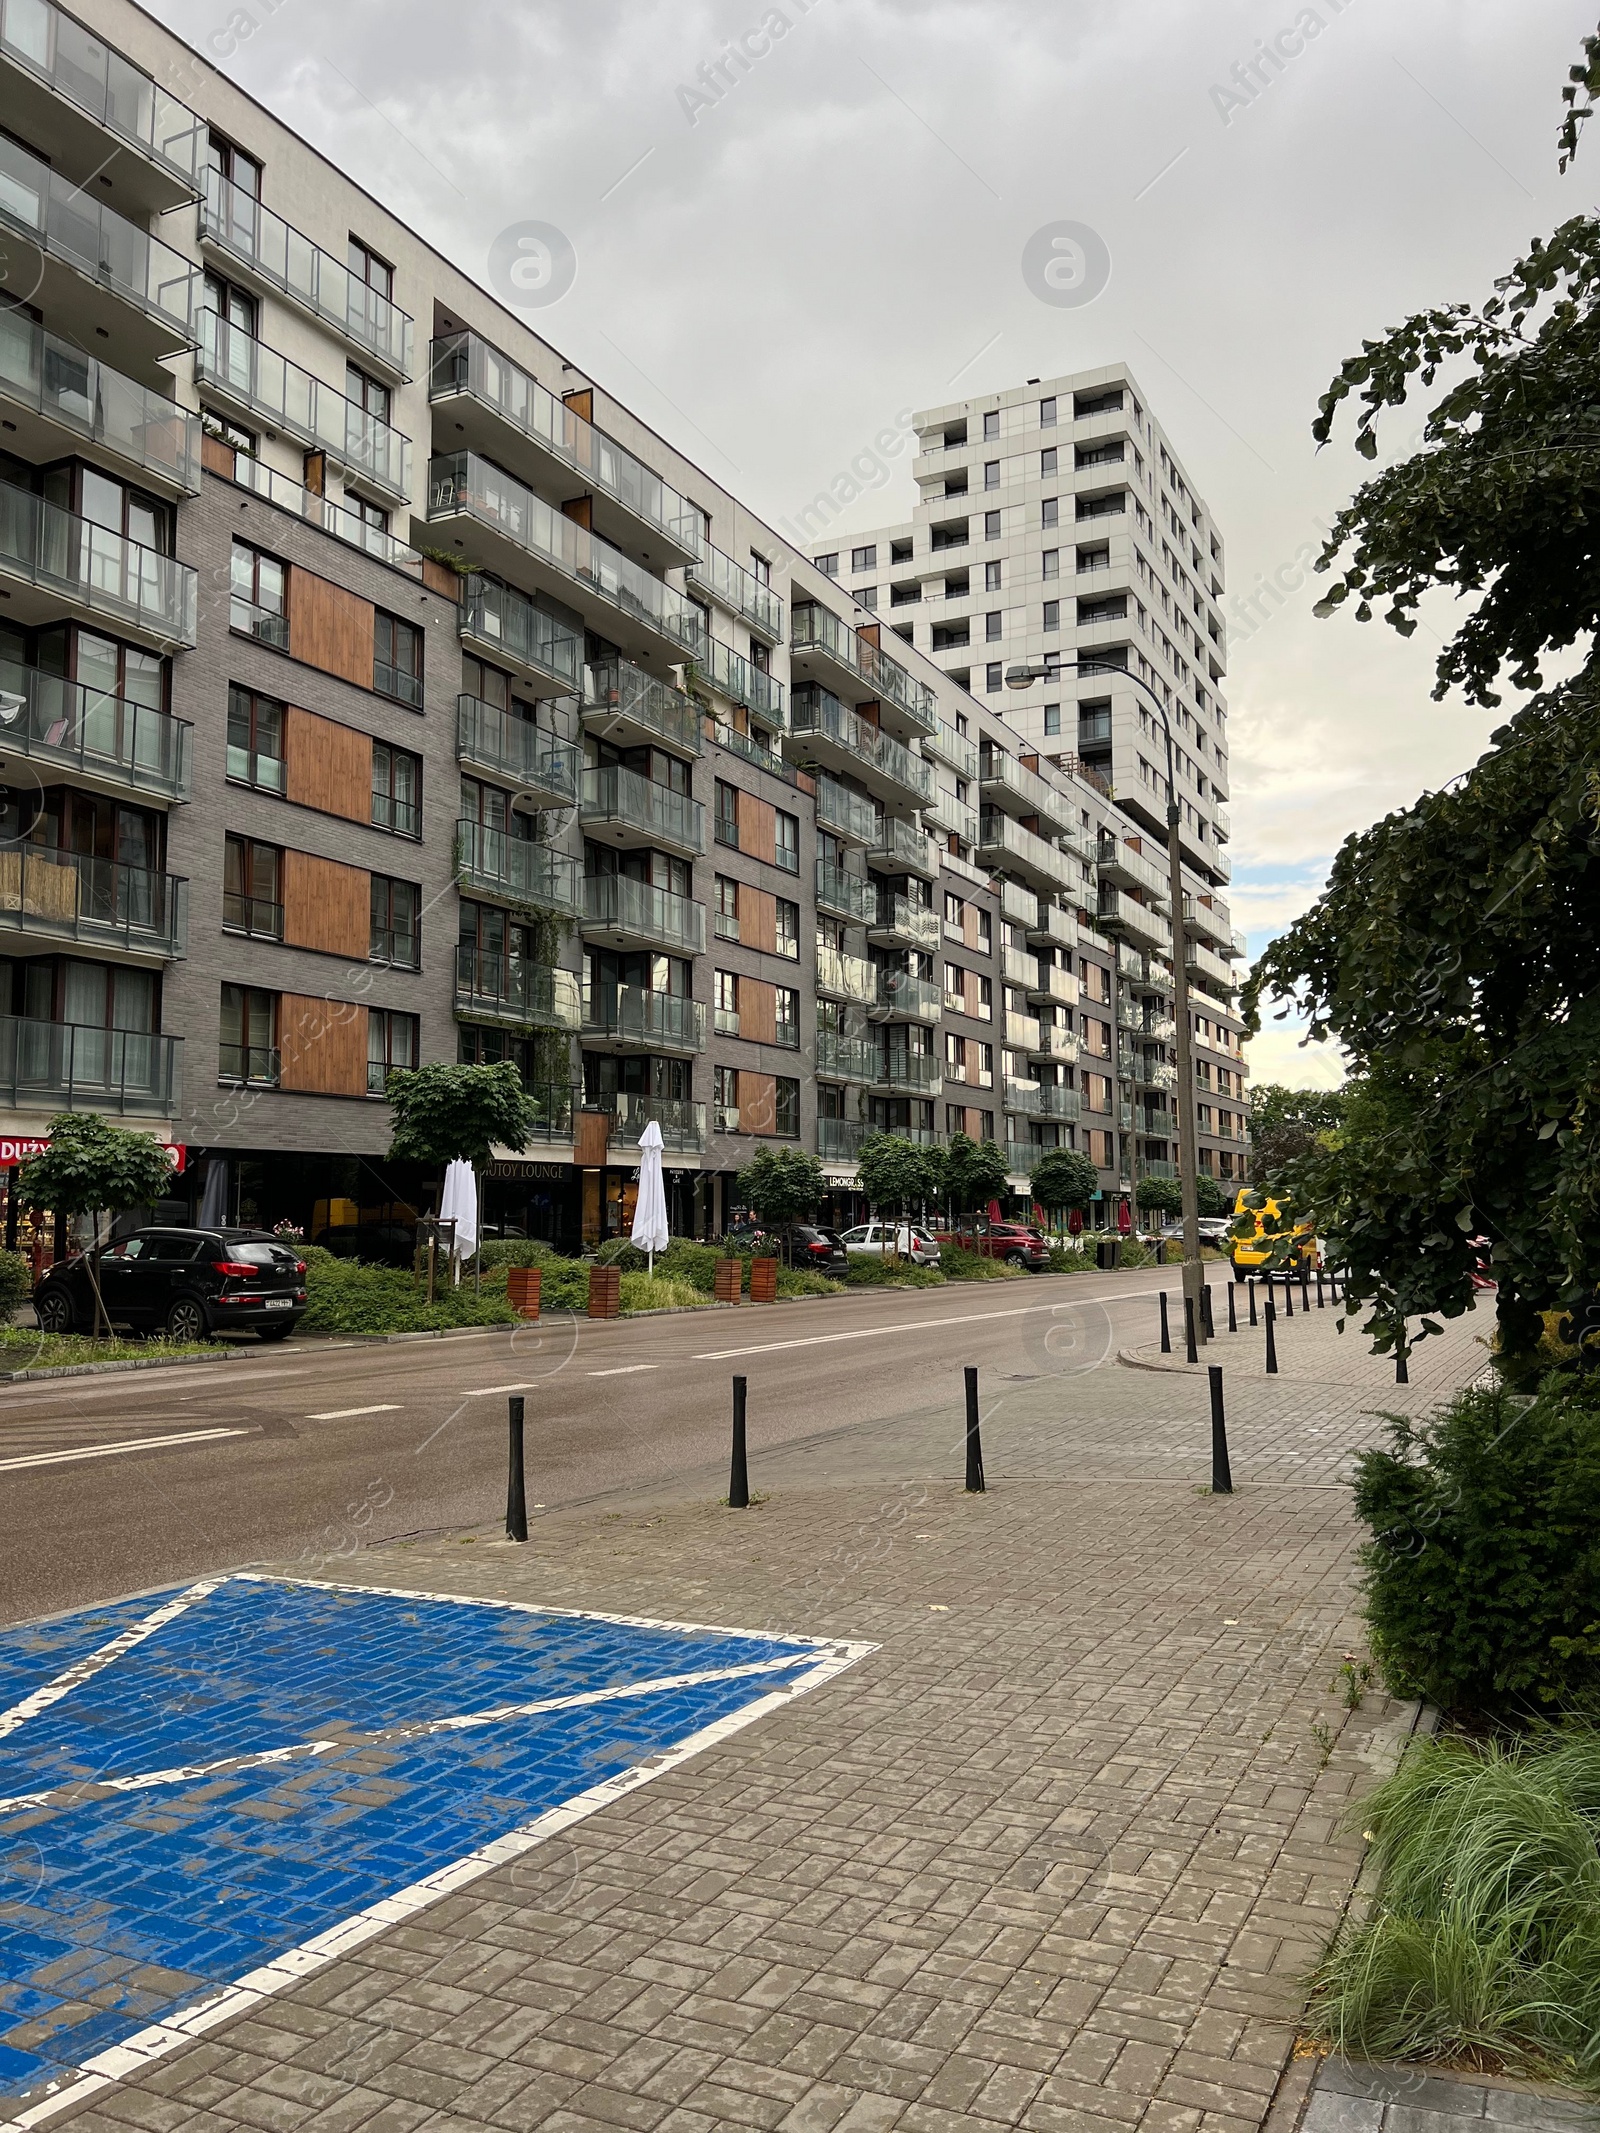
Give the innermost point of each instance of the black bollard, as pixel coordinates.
(974, 1441)
(1272, 1345)
(1305, 1289)
(1166, 1331)
(1190, 1350)
(1221, 1472)
(1288, 1294)
(516, 1488)
(1251, 1286)
(1320, 1304)
(1233, 1314)
(739, 1473)
(1205, 1312)
(1402, 1376)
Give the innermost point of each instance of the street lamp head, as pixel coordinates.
(1023, 677)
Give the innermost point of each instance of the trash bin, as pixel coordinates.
(1107, 1253)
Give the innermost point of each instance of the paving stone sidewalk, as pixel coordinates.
(1353, 2098)
(1054, 1856)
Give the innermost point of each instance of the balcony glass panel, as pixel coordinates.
(99, 569)
(613, 685)
(635, 907)
(742, 681)
(611, 793)
(283, 256)
(839, 1139)
(630, 1013)
(845, 895)
(97, 403)
(915, 924)
(1020, 847)
(919, 1072)
(901, 845)
(816, 628)
(849, 814)
(63, 724)
(65, 1066)
(516, 869)
(682, 1123)
(114, 92)
(749, 745)
(906, 998)
(819, 712)
(507, 989)
(847, 977)
(75, 898)
(494, 740)
(740, 590)
(847, 1058)
(312, 411)
(116, 253)
(1031, 794)
(499, 614)
(953, 749)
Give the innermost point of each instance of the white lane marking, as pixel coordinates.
(341, 1414)
(627, 1370)
(482, 1392)
(418, 1729)
(129, 1444)
(913, 1325)
(84, 1669)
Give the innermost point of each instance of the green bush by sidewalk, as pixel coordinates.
(956, 1263)
(863, 1273)
(347, 1297)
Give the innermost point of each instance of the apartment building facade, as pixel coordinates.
(375, 690)
(1056, 530)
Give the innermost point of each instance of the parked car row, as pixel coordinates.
(186, 1283)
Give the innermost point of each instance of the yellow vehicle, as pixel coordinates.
(1252, 1251)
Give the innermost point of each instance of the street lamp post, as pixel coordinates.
(1020, 677)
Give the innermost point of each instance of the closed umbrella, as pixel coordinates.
(458, 1203)
(650, 1232)
(214, 1200)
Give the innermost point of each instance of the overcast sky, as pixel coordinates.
(768, 270)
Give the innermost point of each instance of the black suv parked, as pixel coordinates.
(183, 1282)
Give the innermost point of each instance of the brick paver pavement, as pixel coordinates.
(1054, 1856)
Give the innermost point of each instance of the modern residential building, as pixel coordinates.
(375, 689)
(1055, 528)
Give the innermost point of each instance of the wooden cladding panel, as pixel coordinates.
(326, 906)
(758, 828)
(216, 457)
(758, 1103)
(590, 1129)
(322, 1045)
(581, 403)
(758, 919)
(970, 919)
(441, 579)
(331, 628)
(580, 509)
(327, 766)
(758, 1011)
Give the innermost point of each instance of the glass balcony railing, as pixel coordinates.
(903, 998)
(98, 569)
(742, 681)
(846, 813)
(120, 256)
(543, 768)
(1053, 927)
(1006, 843)
(1119, 862)
(818, 714)
(1021, 1032)
(1006, 782)
(257, 378)
(71, 897)
(631, 1014)
(846, 977)
(900, 847)
(913, 925)
(466, 363)
(615, 903)
(66, 1066)
(843, 1058)
(615, 690)
(952, 749)
(1055, 984)
(1121, 913)
(116, 94)
(282, 256)
(335, 518)
(515, 870)
(499, 615)
(749, 745)
(79, 393)
(612, 794)
(819, 629)
(739, 590)
(839, 1139)
(63, 725)
(1056, 1043)
(848, 896)
(682, 1123)
(462, 484)
(914, 1073)
(505, 988)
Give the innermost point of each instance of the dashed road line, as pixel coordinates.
(342, 1414)
(129, 1444)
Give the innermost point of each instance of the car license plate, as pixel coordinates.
(279, 1303)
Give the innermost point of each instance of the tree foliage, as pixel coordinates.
(896, 1174)
(1064, 1178)
(1159, 1196)
(443, 1113)
(782, 1185)
(1210, 1198)
(91, 1167)
(1285, 1124)
(973, 1172)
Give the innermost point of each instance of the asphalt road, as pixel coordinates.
(120, 1483)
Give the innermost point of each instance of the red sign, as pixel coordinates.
(1124, 1217)
(16, 1148)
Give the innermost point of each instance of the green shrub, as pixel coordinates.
(624, 1253)
(800, 1281)
(1135, 1255)
(1068, 1259)
(564, 1286)
(519, 1251)
(16, 1284)
(865, 1273)
(1484, 1941)
(1483, 1571)
(695, 1263)
(346, 1297)
(659, 1292)
(956, 1263)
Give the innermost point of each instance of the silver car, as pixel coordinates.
(875, 1240)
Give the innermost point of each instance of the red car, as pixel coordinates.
(1018, 1243)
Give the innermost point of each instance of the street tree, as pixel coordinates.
(895, 1174)
(1064, 1178)
(444, 1113)
(1285, 1124)
(1210, 1199)
(1159, 1196)
(782, 1186)
(93, 1168)
(975, 1172)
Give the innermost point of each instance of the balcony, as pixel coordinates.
(741, 681)
(98, 903)
(903, 998)
(505, 989)
(842, 1058)
(514, 870)
(1011, 787)
(98, 740)
(839, 1139)
(751, 747)
(543, 769)
(1155, 1167)
(846, 977)
(1054, 985)
(739, 590)
(847, 896)
(65, 1066)
(621, 913)
(505, 625)
(1022, 1155)
(67, 90)
(952, 749)
(1221, 865)
(622, 703)
(1020, 1032)
(900, 923)
(509, 529)
(827, 735)
(1004, 843)
(498, 409)
(1143, 928)
(682, 1123)
(1222, 822)
(901, 848)
(345, 525)
(624, 808)
(59, 557)
(822, 640)
(274, 253)
(907, 1073)
(1210, 968)
(951, 817)
(1122, 865)
(1047, 1100)
(88, 268)
(1055, 1043)
(267, 387)
(621, 1016)
(52, 386)
(1137, 1066)
(848, 814)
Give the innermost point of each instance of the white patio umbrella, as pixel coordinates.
(213, 1212)
(458, 1203)
(650, 1232)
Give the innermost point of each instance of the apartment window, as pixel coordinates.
(727, 815)
(259, 603)
(226, 431)
(1052, 720)
(1052, 614)
(788, 1018)
(396, 923)
(992, 680)
(828, 565)
(251, 888)
(392, 1045)
(1050, 563)
(786, 1108)
(961, 724)
(991, 425)
(786, 853)
(249, 1035)
(1047, 414)
(991, 473)
(234, 165)
(396, 790)
(980, 1064)
(864, 558)
(868, 596)
(726, 1004)
(1047, 463)
(787, 931)
(760, 568)
(955, 1054)
(725, 1097)
(397, 660)
(955, 989)
(991, 577)
(1050, 511)
(985, 1009)
(991, 525)
(725, 911)
(368, 394)
(373, 272)
(255, 740)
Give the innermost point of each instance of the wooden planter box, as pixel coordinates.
(729, 1281)
(763, 1281)
(605, 1292)
(522, 1290)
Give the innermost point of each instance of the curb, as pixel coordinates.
(131, 1362)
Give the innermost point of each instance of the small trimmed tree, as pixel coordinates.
(784, 1186)
(1160, 1196)
(91, 1168)
(1064, 1178)
(974, 1172)
(1209, 1196)
(445, 1113)
(895, 1173)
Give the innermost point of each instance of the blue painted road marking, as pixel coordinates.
(206, 1792)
